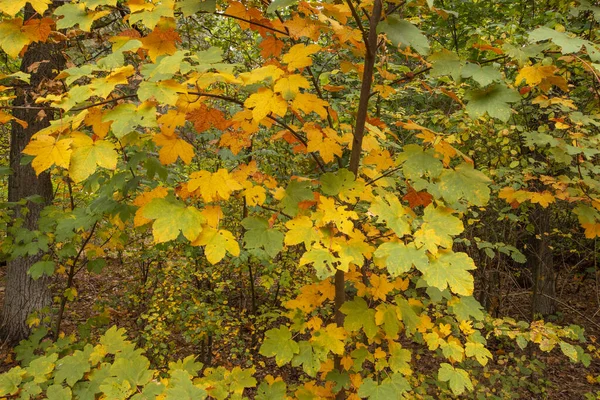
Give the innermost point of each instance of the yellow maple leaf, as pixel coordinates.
(308, 102)
(534, 74)
(93, 118)
(380, 287)
(265, 102)
(169, 121)
(299, 56)
(543, 199)
(12, 7)
(144, 198)
(214, 185)
(301, 230)
(89, 154)
(254, 194)
(48, 151)
(260, 74)
(217, 243)
(592, 230)
(289, 86)
(342, 218)
(13, 39)
(318, 142)
(213, 215)
(173, 147)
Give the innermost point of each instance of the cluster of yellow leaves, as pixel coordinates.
(517, 197)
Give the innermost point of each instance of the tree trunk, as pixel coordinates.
(542, 266)
(24, 295)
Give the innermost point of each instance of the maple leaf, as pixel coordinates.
(279, 343)
(400, 257)
(93, 118)
(204, 118)
(38, 29)
(172, 148)
(439, 225)
(216, 243)
(299, 56)
(13, 39)
(214, 185)
(271, 47)
(260, 74)
(12, 7)
(389, 210)
(161, 41)
(259, 235)
(144, 198)
(450, 269)
(544, 199)
(89, 154)
(464, 182)
(330, 338)
(341, 217)
(48, 151)
(289, 86)
(457, 378)
(380, 286)
(492, 100)
(171, 218)
(416, 199)
(76, 14)
(254, 194)
(302, 27)
(301, 230)
(265, 102)
(327, 147)
(323, 260)
(308, 102)
(359, 316)
(169, 121)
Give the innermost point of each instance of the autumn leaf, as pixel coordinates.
(12, 7)
(271, 47)
(171, 218)
(49, 151)
(217, 242)
(172, 148)
(13, 39)
(301, 230)
(308, 102)
(321, 143)
(89, 154)
(205, 118)
(299, 56)
(214, 185)
(289, 86)
(144, 198)
(161, 41)
(265, 102)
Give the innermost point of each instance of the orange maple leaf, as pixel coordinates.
(204, 118)
(173, 147)
(160, 41)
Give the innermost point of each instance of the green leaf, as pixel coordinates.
(275, 391)
(191, 7)
(400, 257)
(181, 387)
(438, 228)
(492, 100)
(390, 388)
(42, 366)
(456, 377)
(478, 350)
(466, 307)
(400, 359)
(279, 343)
(127, 116)
(188, 364)
(41, 268)
(565, 42)
(308, 358)
(359, 316)
(72, 368)
(75, 14)
(445, 62)
(482, 75)
(389, 209)
(279, 4)
(295, 193)
(334, 183)
(402, 33)
(170, 218)
(451, 269)
(417, 163)
(464, 182)
(323, 260)
(57, 392)
(10, 381)
(408, 314)
(259, 235)
(133, 368)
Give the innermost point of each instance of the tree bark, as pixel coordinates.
(24, 295)
(542, 264)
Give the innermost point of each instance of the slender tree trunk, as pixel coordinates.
(541, 260)
(24, 295)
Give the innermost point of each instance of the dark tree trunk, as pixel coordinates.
(542, 265)
(24, 295)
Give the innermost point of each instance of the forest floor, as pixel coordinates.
(562, 380)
